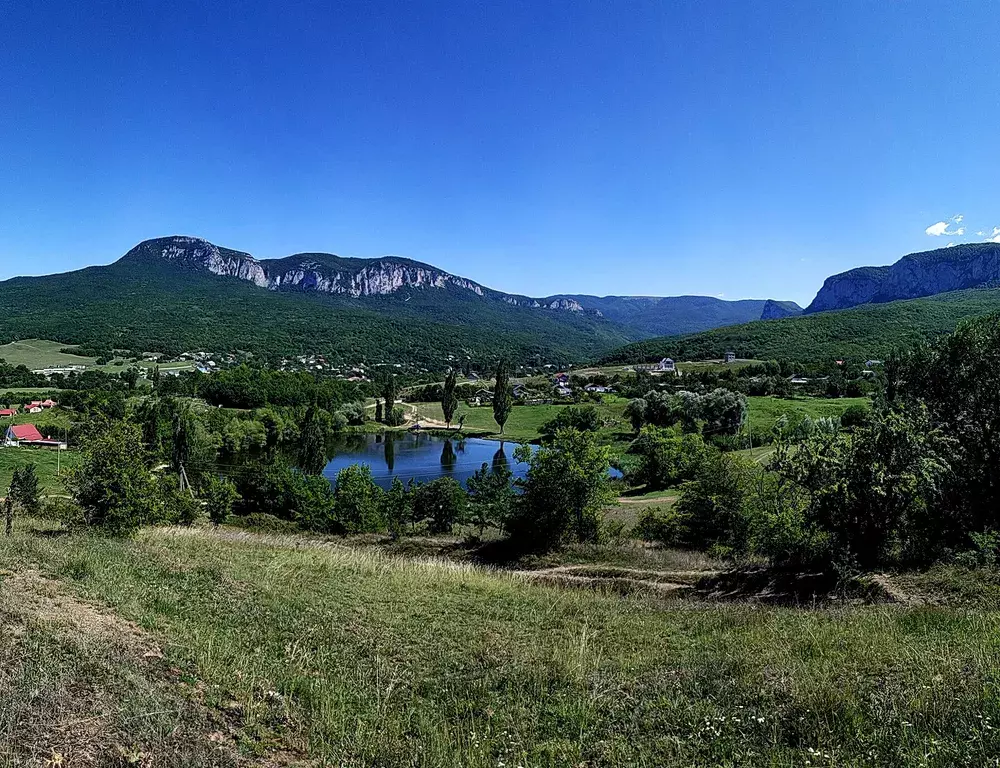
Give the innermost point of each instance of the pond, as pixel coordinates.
(420, 457)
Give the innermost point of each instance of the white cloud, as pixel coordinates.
(992, 237)
(950, 245)
(941, 228)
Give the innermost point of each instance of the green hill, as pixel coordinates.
(158, 307)
(859, 333)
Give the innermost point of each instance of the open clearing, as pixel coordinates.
(39, 353)
(279, 649)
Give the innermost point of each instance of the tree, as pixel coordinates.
(357, 500)
(193, 448)
(378, 411)
(583, 418)
(397, 508)
(389, 392)
(503, 400)
(449, 400)
(155, 378)
(220, 496)
(24, 489)
(491, 496)
(566, 487)
(635, 412)
(131, 377)
(312, 442)
(666, 457)
(112, 484)
(441, 503)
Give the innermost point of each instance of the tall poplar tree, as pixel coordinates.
(502, 399)
(449, 400)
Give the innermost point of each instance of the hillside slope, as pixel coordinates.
(656, 316)
(860, 333)
(970, 265)
(180, 293)
(145, 306)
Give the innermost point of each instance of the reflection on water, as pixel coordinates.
(420, 457)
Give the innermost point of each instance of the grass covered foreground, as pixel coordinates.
(281, 650)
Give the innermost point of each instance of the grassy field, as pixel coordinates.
(48, 417)
(39, 353)
(191, 648)
(525, 420)
(765, 411)
(46, 465)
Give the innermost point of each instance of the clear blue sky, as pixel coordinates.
(735, 148)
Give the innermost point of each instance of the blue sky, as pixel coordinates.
(733, 148)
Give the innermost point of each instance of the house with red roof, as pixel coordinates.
(19, 435)
(8, 412)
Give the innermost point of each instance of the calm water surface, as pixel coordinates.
(419, 457)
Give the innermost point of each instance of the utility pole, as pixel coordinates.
(8, 508)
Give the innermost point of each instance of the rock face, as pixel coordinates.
(319, 272)
(972, 265)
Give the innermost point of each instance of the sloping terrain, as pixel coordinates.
(298, 651)
(860, 333)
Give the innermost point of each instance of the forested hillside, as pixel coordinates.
(158, 307)
(859, 333)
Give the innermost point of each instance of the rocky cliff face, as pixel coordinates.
(320, 272)
(919, 274)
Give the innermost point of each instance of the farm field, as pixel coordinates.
(39, 353)
(765, 411)
(200, 647)
(46, 463)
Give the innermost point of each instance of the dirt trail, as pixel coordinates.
(618, 579)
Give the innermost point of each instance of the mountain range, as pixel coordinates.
(179, 293)
(862, 313)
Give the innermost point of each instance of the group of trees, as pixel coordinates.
(910, 482)
(719, 412)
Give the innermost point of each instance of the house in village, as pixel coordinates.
(6, 413)
(666, 365)
(27, 435)
(730, 357)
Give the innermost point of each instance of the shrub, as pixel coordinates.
(665, 526)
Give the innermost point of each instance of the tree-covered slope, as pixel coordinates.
(859, 333)
(148, 306)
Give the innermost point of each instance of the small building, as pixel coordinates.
(872, 363)
(730, 357)
(597, 389)
(561, 378)
(563, 391)
(6, 413)
(666, 365)
(27, 435)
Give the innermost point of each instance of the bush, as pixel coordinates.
(664, 526)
